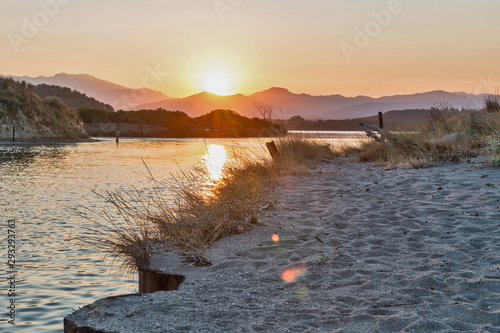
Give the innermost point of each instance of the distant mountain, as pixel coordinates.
(425, 100)
(204, 102)
(287, 104)
(118, 96)
(391, 118)
(72, 98)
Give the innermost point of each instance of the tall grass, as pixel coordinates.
(189, 213)
(126, 236)
(446, 135)
(492, 103)
(298, 151)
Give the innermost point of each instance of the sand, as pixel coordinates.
(373, 250)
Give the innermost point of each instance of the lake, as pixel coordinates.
(46, 199)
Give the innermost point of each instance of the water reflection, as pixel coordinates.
(214, 162)
(12, 159)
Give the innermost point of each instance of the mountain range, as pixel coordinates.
(116, 95)
(285, 104)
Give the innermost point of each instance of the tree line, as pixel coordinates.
(217, 123)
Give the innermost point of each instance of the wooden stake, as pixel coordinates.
(273, 150)
(380, 120)
(117, 134)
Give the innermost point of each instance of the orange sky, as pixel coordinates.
(364, 47)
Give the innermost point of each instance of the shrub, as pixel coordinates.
(446, 135)
(11, 103)
(296, 151)
(494, 151)
(21, 98)
(55, 102)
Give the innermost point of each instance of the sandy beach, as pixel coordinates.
(361, 249)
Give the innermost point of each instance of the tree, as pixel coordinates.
(266, 111)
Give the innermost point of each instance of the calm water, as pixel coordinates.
(47, 190)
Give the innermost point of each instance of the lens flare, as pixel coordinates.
(293, 272)
(302, 292)
(275, 238)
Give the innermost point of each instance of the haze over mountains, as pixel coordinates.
(285, 103)
(118, 96)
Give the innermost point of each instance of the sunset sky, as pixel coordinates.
(320, 47)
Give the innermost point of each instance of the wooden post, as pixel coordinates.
(273, 150)
(14, 133)
(380, 120)
(151, 281)
(117, 134)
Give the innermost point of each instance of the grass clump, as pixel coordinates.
(447, 135)
(492, 104)
(185, 213)
(128, 236)
(296, 153)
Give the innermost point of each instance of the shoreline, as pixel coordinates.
(372, 250)
(46, 141)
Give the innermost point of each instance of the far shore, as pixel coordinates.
(45, 141)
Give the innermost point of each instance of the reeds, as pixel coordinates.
(191, 212)
(446, 135)
(492, 103)
(297, 154)
(124, 234)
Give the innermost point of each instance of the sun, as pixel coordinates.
(217, 81)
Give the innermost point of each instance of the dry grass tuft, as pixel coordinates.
(127, 236)
(446, 136)
(297, 152)
(191, 212)
(492, 103)
(191, 219)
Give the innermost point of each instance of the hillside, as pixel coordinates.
(35, 118)
(116, 95)
(199, 104)
(72, 98)
(391, 118)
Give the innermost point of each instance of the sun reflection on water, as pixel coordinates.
(214, 161)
